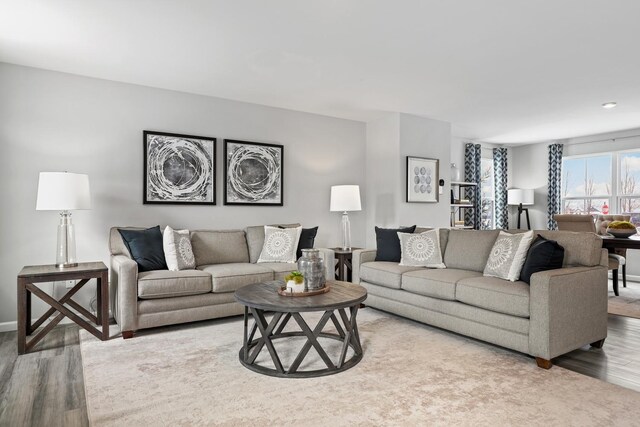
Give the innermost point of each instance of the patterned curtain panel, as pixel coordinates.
(500, 187)
(472, 172)
(555, 175)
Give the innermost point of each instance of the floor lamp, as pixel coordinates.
(521, 197)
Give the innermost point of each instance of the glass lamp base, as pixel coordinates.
(66, 250)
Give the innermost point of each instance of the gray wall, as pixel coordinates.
(52, 121)
(389, 141)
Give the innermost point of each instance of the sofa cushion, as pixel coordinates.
(508, 255)
(436, 283)
(280, 244)
(178, 251)
(232, 276)
(542, 255)
(255, 239)
(165, 283)
(421, 250)
(495, 294)
(280, 269)
(145, 247)
(219, 247)
(469, 249)
(384, 273)
(388, 243)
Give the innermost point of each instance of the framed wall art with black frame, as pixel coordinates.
(422, 180)
(179, 169)
(253, 173)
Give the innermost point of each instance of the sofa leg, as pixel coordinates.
(127, 334)
(544, 363)
(598, 344)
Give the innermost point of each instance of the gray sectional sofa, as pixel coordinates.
(225, 261)
(561, 310)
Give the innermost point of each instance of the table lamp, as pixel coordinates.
(521, 197)
(63, 191)
(345, 198)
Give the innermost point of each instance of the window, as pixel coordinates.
(629, 185)
(586, 184)
(487, 197)
(602, 184)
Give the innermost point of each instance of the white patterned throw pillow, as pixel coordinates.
(421, 249)
(508, 255)
(280, 244)
(178, 252)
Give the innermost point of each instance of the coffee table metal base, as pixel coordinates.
(347, 333)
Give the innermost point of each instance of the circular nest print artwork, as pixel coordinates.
(253, 173)
(179, 169)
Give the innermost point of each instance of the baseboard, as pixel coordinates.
(13, 326)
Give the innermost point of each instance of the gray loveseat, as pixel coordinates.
(560, 311)
(226, 260)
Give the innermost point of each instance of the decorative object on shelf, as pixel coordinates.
(460, 204)
(521, 197)
(179, 169)
(345, 198)
(621, 229)
(455, 173)
(294, 282)
(311, 265)
(253, 173)
(422, 180)
(63, 191)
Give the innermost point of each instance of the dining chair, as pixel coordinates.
(602, 222)
(576, 222)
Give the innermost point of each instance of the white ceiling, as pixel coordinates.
(510, 71)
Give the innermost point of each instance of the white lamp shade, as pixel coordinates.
(345, 198)
(515, 196)
(63, 191)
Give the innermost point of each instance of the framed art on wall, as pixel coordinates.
(179, 169)
(422, 180)
(253, 173)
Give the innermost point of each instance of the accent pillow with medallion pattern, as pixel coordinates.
(508, 255)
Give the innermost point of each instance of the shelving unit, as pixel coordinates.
(457, 209)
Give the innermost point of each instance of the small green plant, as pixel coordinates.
(622, 225)
(296, 276)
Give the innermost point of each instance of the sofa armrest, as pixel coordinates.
(604, 258)
(359, 257)
(568, 309)
(329, 258)
(124, 282)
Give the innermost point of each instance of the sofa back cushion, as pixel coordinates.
(219, 246)
(469, 249)
(255, 239)
(580, 248)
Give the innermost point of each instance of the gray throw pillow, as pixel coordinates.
(421, 250)
(280, 244)
(508, 255)
(178, 251)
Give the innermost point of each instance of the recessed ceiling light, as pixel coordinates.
(609, 105)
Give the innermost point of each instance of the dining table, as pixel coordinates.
(610, 242)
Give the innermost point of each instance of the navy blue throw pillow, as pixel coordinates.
(145, 247)
(307, 239)
(543, 255)
(388, 243)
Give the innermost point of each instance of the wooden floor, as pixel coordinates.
(46, 387)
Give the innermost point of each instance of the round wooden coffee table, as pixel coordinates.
(263, 297)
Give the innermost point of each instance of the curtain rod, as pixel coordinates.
(600, 140)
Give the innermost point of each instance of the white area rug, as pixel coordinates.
(411, 374)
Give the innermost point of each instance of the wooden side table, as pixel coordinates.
(84, 272)
(344, 266)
